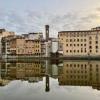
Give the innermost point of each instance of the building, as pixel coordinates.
(4, 33)
(33, 47)
(33, 36)
(32, 44)
(13, 45)
(19, 45)
(54, 45)
(79, 43)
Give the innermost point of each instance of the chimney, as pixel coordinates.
(47, 32)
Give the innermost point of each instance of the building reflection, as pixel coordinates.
(32, 72)
(79, 73)
(69, 73)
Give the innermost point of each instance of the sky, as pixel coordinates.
(24, 16)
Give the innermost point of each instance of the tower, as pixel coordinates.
(47, 32)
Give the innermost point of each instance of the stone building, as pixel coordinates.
(19, 45)
(4, 33)
(79, 43)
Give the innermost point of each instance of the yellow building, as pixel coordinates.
(79, 43)
(19, 45)
(33, 47)
(13, 45)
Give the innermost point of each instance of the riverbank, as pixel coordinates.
(51, 58)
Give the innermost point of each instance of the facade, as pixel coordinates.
(4, 33)
(33, 47)
(27, 44)
(54, 45)
(13, 45)
(19, 45)
(79, 43)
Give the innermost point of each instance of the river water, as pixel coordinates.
(50, 80)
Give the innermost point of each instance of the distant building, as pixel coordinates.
(33, 36)
(32, 44)
(79, 43)
(4, 33)
(13, 45)
(19, 45)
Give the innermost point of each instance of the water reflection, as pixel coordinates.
(68, 73)
(80, 73)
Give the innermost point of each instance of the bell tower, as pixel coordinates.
(47, 32)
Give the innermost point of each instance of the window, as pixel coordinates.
(70, 50)
(74, 34)
(97, 65)
(77, 40)
(85, 49)
(90, 42)
(77, 34)
(90, 50)
(74, 44)
(84, 44)
(66, 44)
(77, 50)
(85, 40)
(81, 40)
(74, 50)
(66, 50)
(77, 44)
(90, 65)
(74, 40)
(74, 65)
(96, 50)
(70, 40)
(96, 47)
(81, 44)
(90, 47)
(90, 38)
(96, 42)
(70, 65)
(81, 50)
(70, 44)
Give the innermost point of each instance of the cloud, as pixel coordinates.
(31, 21)
(98, 9)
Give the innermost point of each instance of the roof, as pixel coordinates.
(92, 30)
(79, 31)
(2, 30)
(35, 33)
